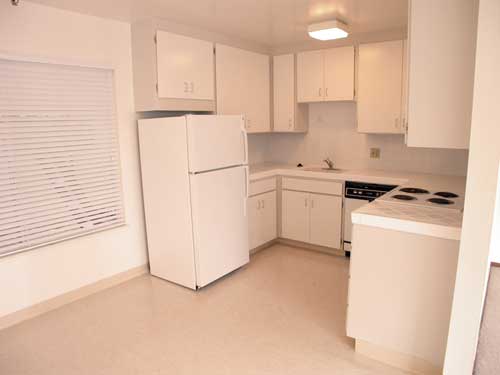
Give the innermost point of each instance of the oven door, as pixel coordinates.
(350, 205)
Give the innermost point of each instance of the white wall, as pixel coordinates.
(40, 274)
(258, 148)
(476, 244)
(332, 132)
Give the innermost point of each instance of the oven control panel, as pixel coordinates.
(366, 191)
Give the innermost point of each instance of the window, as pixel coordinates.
(59, 157)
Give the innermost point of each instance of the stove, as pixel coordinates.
(419, 196)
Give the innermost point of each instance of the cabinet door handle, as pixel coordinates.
(289, 123)
(192, 86)
(258, 204)
(263, 205)
(319, 91)
(305, 202)
(326, 91)
(312, 203)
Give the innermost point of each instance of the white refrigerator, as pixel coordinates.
(195, 187)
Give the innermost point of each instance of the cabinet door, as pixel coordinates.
(185, 67)
(310, 78)
(261, 219)
(441, 72)
(259, 92)
(243, 86)
(284, 92)
(380, 85)
(326, 220)
(268, 217)
(404, 95)
(254, 221)
(295, 215)
(339, 74)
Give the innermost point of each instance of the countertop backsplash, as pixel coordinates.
(332, 132)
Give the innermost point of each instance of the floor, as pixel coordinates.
(488, 355)
(284, 313)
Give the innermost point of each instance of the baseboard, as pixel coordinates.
(396, 359)
(308, 246)
(264, 246)
(74, 295)
(298, 244)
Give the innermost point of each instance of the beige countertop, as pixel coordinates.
(431, 221)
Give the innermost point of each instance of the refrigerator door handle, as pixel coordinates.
(245, 143)
(247, 190)
(247, 181)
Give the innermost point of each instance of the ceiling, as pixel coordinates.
(267, 22)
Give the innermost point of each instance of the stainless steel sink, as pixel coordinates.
(320, 169)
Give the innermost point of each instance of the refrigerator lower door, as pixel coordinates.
(220, 224)
(216, 142)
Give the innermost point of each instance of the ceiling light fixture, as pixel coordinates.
(328, 30)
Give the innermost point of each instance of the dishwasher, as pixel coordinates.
(357, 194)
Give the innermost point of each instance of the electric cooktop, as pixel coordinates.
(425, 197)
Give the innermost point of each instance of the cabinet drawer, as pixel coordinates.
(313, 186)
(262, 186)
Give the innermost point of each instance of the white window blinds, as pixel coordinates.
(59, 157)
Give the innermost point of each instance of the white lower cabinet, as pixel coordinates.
(262, 219)
(312, 218)
(295, 215)
(326, 220)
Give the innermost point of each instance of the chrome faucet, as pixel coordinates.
(329, 162)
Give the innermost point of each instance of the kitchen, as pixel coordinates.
(306, 133)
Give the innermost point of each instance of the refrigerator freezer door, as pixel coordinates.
(220, 224)
(216, 142)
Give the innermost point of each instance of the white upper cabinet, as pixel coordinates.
(310, 76)
(171, 72)
(442, 37)
(380, 87)
(404, 95)
(288, 115)
(339, 74)
(243, 86)
(284, 92)
(185, 67)
(325, 75)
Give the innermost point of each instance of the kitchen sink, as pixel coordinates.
(320, 169)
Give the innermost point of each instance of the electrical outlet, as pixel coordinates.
(375, 153)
